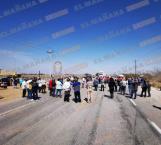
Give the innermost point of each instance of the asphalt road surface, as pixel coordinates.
(50, 121)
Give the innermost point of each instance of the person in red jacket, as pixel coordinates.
(51, 87)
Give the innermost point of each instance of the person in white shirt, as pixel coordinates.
(59, 86)
(123, 84)
(67, 89)
(40, 85)
(83, 82)
(43, 82)
(89, 91)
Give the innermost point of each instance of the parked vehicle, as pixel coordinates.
(4, 83)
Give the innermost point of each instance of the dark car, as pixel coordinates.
(4, 82)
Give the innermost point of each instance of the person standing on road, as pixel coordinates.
(35, 88)
(89, 90)
(24, 88)
(43, 86)
(115, 85)
(123, 86)
(58, 88)
(134, 88)
(111, 86)
(129, 85)
(119, 85)
(149, 88)
(39, 85)
(53, 88)
(50, 87)
(29, 89)
(144, 88)
(15, 82)
(20, 82)
(95, 83)
(67, 89)
(83, 82)
(103, 85)
(76, 87)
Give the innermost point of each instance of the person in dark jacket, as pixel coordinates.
(76, 87)
(115, 85)
(95, 83)
(144, 88)
(134, 88)
(53, 88)
(35, 88)
(149, 88)
(15, 83)
(111, 86)
(130, 85)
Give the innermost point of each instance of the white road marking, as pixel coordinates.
(155, 126)
(3, 114)
(132, 102)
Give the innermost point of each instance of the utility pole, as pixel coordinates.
(135, 67)
(39, 73)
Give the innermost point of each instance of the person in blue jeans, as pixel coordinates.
(95, 83)
(59, 87)
(76, 87)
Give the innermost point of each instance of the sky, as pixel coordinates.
(84, 36)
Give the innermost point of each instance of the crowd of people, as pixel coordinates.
(31, 88)
(57, 86)
(65, 86)
(130, 87)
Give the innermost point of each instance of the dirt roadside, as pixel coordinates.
(10, 94)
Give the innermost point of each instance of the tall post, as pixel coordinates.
(39, 73)
(135, 68)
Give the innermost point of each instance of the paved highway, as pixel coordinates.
(50, 121)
